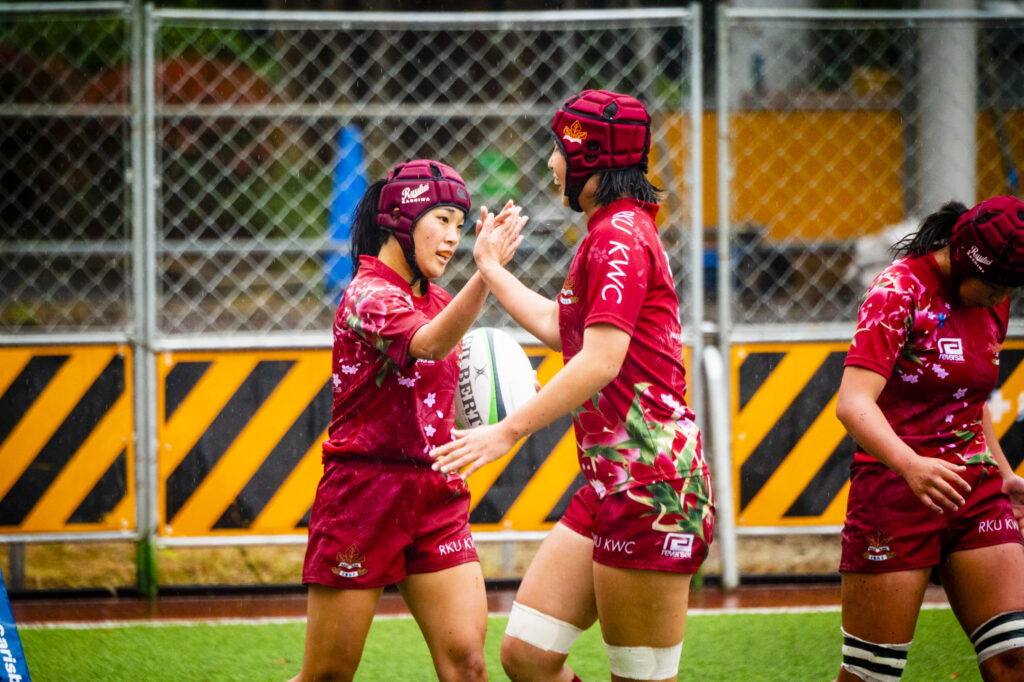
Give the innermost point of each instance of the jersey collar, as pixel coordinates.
(618, 205)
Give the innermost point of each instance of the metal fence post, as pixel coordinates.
(144, 294)
(696, 186)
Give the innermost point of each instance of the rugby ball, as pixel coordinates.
(495, 377)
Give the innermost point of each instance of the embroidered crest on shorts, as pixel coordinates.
(879, 547)
(350, 563)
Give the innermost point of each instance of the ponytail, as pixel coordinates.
(367, 236)
(933, 234)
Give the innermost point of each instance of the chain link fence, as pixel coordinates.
(266, 127)
(269, 126)
(844, 130)
(65, 156)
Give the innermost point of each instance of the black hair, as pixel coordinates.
(367, 236)
(625, 183)
(933, 234)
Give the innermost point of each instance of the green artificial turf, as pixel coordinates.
(729, 647)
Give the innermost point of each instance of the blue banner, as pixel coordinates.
(13, 667)
(350, 184)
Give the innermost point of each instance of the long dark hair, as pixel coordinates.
(625, 183)
(367, 236)
(933, 233)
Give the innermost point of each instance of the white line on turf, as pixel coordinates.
(172, 622)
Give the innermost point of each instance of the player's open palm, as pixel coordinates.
(937, 483)
(473, 448)
(498, 236)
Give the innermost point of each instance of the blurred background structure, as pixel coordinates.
(174, 186)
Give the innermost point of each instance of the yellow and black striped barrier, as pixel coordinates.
(791, 456)
(238, 440)
(66, 439)
(239, 448)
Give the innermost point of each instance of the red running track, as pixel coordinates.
(293, 605)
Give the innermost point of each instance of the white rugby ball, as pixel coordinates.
(495, 377)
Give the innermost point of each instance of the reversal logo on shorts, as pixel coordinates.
(878, 547)
(678, 545)
(574, 132)
(350, 563)
(951, 350)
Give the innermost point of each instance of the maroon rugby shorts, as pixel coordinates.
(888, 529)
(373, 523)
(629, 529)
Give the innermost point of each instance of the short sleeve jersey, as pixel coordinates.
(637, 429)
(388, 405)
(940, 359)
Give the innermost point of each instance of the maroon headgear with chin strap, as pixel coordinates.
(599, 130)
(987, 242)
(413, 188)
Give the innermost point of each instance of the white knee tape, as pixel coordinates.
(644, 662)
(874, 662)
(540, 630)
(998, 634)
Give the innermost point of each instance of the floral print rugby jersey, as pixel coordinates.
(941, 359)
(638, 429)
(388, 405)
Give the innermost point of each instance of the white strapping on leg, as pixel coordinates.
(998, 634)
(541, 630)
(644, 662)
(874, 662)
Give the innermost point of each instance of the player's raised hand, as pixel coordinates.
(498, 236)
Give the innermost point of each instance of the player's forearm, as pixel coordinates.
(437, 338)
(579, 381)
(533, 312)
(867, 425)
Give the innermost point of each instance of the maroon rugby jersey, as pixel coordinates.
(638, 429)
(940, 359)
(388, 405)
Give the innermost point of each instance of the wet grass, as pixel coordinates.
(732, 647)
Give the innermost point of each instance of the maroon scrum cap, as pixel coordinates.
(599, 130)
(987, 242)
(413, 188)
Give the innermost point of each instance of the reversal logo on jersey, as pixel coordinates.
(951, 350)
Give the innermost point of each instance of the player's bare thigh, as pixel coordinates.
(559, 581)
(337, 622)
(883, 607)
(984, 582)
(559, 584)
(641, 607)
(450, 607)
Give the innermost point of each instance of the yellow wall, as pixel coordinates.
(818, 174)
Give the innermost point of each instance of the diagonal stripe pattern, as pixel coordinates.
(791, 456)
(66, 439)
